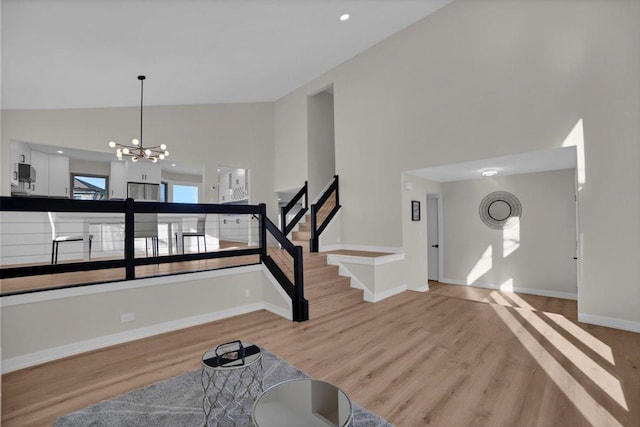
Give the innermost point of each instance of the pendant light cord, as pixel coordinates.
(141, 78)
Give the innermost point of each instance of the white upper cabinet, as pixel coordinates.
(117, 180)
(143, 171)
(40, 162)
(59, 177)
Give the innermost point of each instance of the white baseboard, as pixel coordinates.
(610, 322)
(355, 282)
(540, 292)
(279, 311)
(379, 296)
(50, 354)
(369, 295)
(423, 288)
(388, 249)
(352, 259)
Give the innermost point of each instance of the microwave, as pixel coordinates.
(26, 173)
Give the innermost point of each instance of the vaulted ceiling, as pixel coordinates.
(83, 54)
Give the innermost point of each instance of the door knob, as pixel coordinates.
(435, 246)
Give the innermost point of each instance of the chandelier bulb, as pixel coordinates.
(125, 151)
(154, 159)
(134, 159)
(112, 144)
(147, 152)
(161, 156)
(134, 141)
(166, 153)
(163, 146)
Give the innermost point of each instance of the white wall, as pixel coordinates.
(231, 134)
(414, 233)
(89, 167)
(535, 256)
(321, 141)
(484, 79)
(290, 138)
(89, 317)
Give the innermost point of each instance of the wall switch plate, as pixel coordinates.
(247, 292)
(127, 317)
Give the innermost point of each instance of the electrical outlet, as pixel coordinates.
(247, 292)
(127, 317)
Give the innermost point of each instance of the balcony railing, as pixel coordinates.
(59, 243)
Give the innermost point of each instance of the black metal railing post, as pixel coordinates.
(129, 236)
(300, 304)
(283, 219)
(313, 242)
(337, 184)
(263, 230)
(306, 194)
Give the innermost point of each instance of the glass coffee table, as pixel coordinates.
(302, 402)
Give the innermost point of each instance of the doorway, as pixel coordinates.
(433, 237)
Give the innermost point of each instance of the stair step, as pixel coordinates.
(303, 243)
(334, 302)
(328, 276)
(304, 226)
(312, 261)
(336, 286)
(301, 235)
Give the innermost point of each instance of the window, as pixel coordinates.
(89, 187)
(164, 191)
(185, 193)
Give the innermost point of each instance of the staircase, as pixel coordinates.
(324, 288)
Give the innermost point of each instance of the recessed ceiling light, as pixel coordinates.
(60, 151)
(173, 164)
(344, 17)
(489, 172)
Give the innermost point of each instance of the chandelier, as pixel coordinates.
(136, 151)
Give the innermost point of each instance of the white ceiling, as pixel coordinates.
(531, 162)
(82, 54)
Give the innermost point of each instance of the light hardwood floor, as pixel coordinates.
(46, 281)
(454, 356)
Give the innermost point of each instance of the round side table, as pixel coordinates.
(230, 386)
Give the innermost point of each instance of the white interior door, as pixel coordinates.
(433, 239)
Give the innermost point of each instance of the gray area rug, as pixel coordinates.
(178, 402)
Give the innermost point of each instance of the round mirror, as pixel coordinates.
(499, 210)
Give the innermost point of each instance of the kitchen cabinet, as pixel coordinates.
(143, 171)
(233, 186)
(59, 177)
(20, 153)
(40, 162)
(117, 180)
(143, 192)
